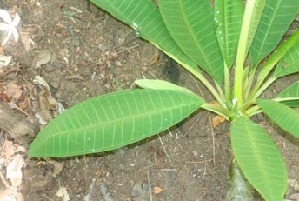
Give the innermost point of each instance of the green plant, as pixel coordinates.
(226, 38)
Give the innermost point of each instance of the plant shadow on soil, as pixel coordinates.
(92, 54)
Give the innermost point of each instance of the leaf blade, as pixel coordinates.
(274, 58)
(111, 121)
(228, 17)
(191, 25)
(161, 85)
(290, 95)
(259, 159)
(252, 15)
(285, 117)
(275, 21)
(289, 63)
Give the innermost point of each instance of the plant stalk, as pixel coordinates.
(239, 188)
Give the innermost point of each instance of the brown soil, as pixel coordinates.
(91, 54)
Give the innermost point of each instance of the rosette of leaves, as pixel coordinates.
(238, 46)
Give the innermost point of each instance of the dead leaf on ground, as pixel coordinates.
(294, 197)
(154, 59)
(3, 96)
(1, 50)
(4, 187)
(8, 150)
(14, 170)
(157, 190)
(62, 193)
(4, 60)
(47, 106)
(58, 167)
(216, 121)
(13, 91)
(9, 193)
(43, 57)
(26, 40)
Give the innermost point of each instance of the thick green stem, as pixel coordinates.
(239, 188)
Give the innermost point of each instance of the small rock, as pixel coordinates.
(141, 191)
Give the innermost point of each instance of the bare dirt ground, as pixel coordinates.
(80, 51)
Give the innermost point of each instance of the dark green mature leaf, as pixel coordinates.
(275, 21)
(111, 121)
(284, 50)
(290, 96)
(290, 61)
(145, 18)
(259, 159)
(285, 117)
(191, 25)
(228, 17)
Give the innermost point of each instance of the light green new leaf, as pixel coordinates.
(228, 17)
(161, 85)
(275, 21)
(289, 63)
(259, 159)
(145, 18)
(285, 117)
(191, 25)
(252, 14)
(290, 96)
(111, 121)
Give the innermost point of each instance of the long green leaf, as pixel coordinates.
(112, 121)
(275, 21)
(161, 85)
(285, 117)
(252, 14)
(251, 20)
(290, 61)
(191, 25)
(290, 95)
(259, 159)
(228, 17)
(144, 17)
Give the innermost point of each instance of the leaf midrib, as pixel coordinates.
(118, 120)
(268, 30)
(252, 139)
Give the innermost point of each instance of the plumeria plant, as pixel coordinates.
(239, 47)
